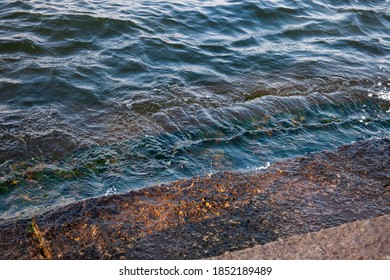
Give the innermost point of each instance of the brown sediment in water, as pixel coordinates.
(205, 217)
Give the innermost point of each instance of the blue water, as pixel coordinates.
(100, 97)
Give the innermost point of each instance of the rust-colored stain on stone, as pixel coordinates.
(204, 217)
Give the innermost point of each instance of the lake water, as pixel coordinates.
(100, 97)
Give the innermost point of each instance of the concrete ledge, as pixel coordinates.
(367, 239)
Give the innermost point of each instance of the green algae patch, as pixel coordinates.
(260, 93)
(44, 250)
(8, 185)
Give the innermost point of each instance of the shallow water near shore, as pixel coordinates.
(100, 97)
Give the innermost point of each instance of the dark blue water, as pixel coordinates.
(100, 97)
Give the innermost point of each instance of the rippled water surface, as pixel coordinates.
(100, 97)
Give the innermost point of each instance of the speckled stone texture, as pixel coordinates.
(205, 217)
(367, 239)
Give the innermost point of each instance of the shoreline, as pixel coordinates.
(205, 217)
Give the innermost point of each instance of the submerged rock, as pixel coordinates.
(204, 217)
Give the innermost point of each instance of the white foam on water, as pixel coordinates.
(382, 94)
(385, 95)
(110, 191)
(263, 167)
